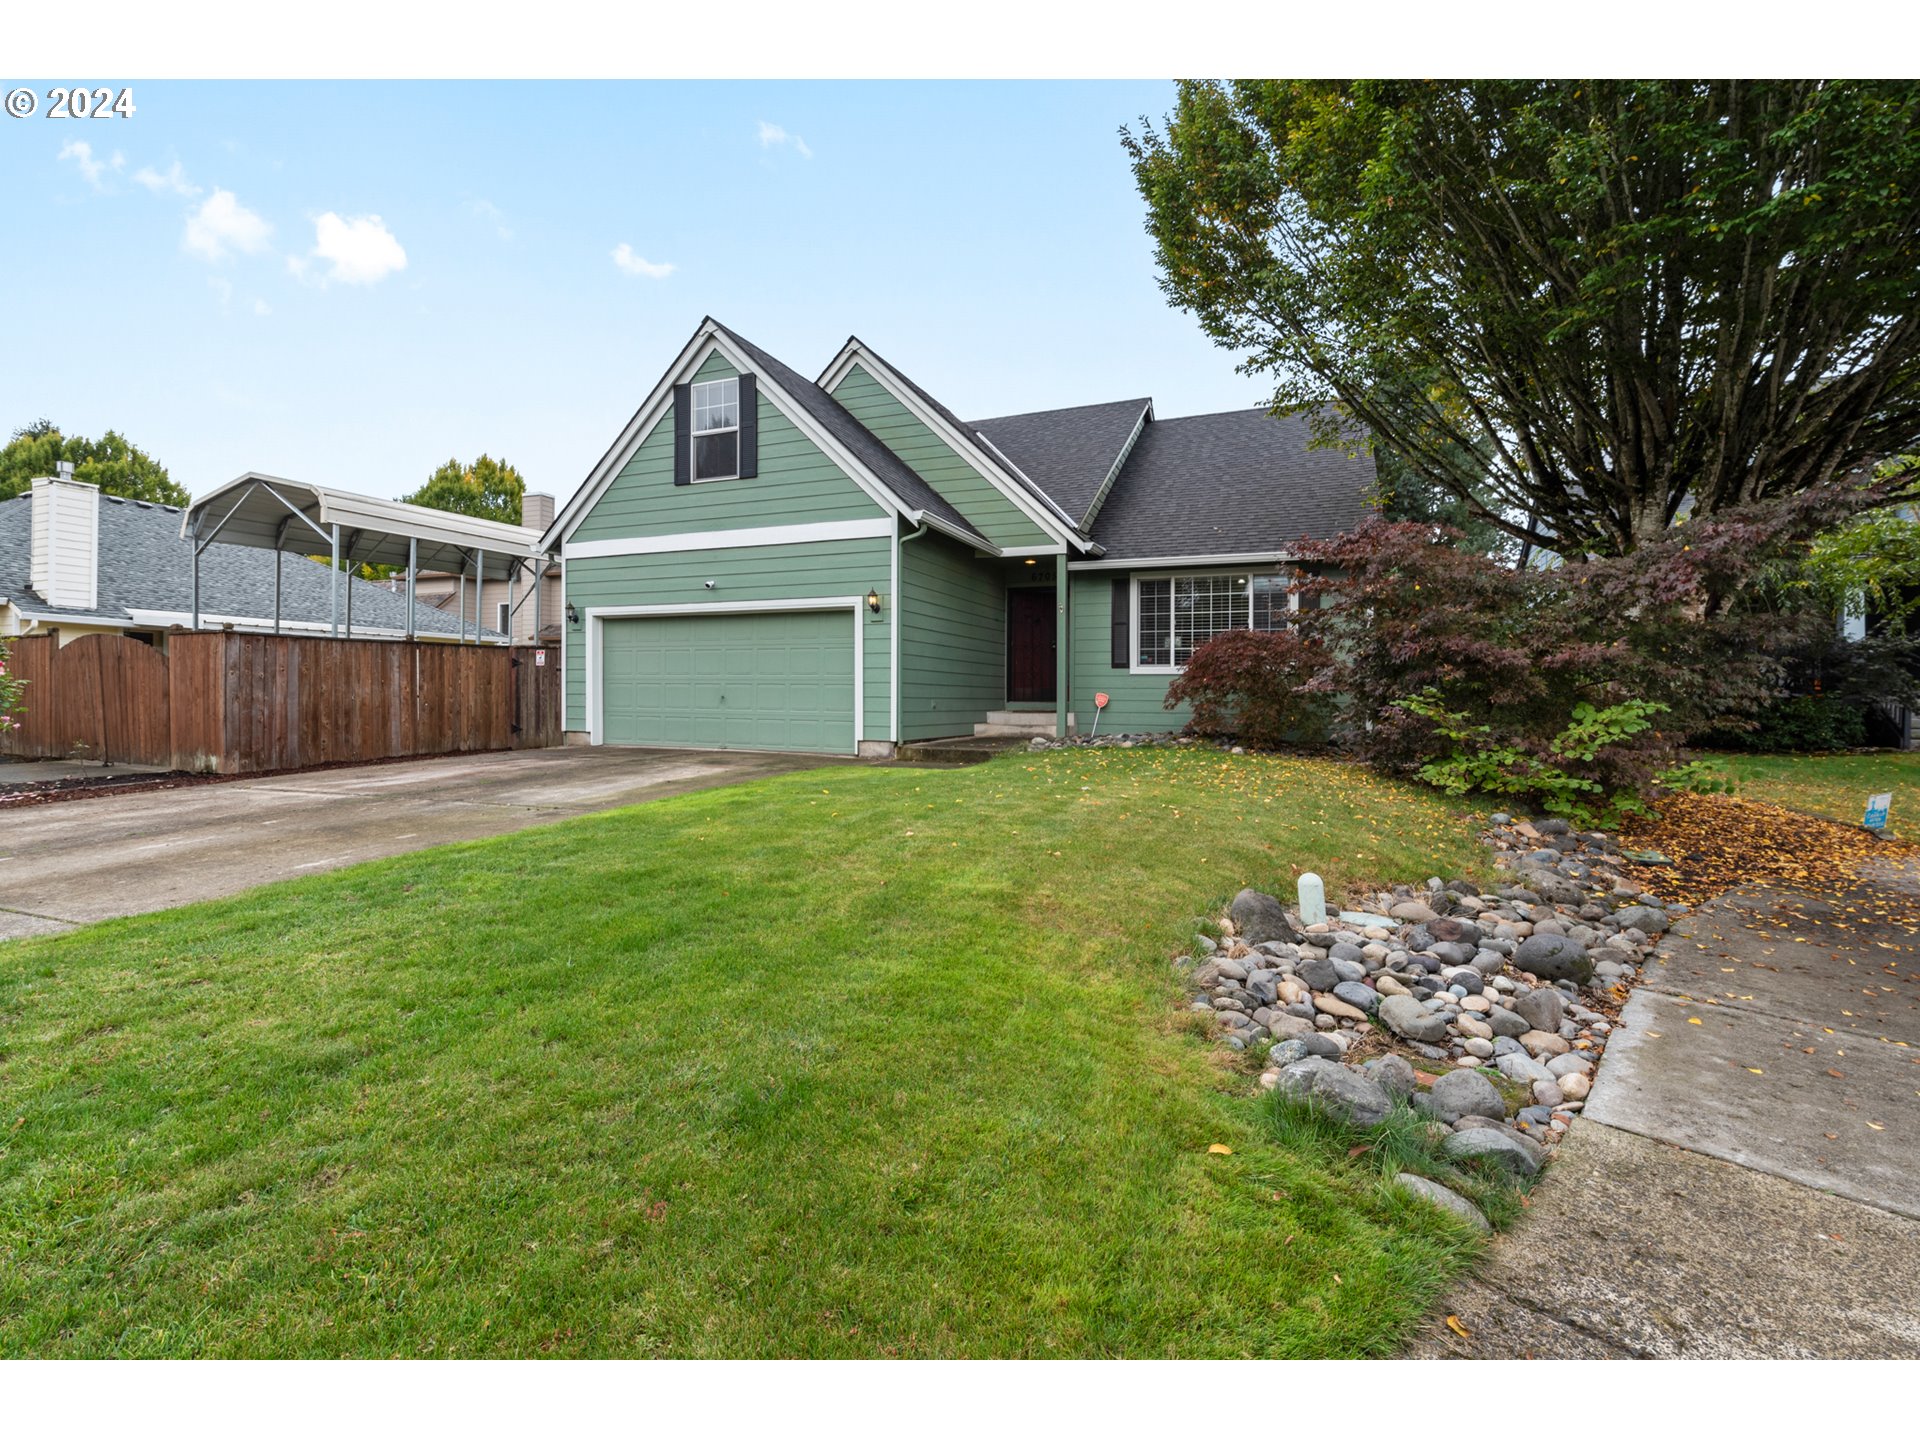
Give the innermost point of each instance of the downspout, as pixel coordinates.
(899, 543)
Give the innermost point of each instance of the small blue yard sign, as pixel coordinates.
(1877, 807)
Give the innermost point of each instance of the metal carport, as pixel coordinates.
(288, 517)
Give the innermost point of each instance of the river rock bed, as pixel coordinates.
(1488, 1010)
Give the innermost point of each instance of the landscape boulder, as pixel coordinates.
(1346, 1093)
(1488, 1143)
(1463, 1092)
(1260, 917)
(1553, 957)
(1407, 1018)
(1437, 1194)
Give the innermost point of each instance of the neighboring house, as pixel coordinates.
(766, 561)
(77, 562)
(501, 605)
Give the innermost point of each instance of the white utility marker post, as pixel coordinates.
(1313, 899)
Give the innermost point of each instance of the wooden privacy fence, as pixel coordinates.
(237, 703)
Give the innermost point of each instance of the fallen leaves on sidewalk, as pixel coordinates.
(1716, 843)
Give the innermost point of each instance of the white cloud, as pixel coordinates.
(222, 225)
(633, 264)
(174, 180)
(81, 153)
(772, 135)
(358, 249)
(489, 213)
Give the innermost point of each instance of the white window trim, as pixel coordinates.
(1134, 667)
(696, 434)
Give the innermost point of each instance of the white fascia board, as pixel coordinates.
(742, 538)
(104, 622)
(1113, 474)
(965, 537)
(1048, 517)
(707, 341)
(263, 624)
(1189, 562)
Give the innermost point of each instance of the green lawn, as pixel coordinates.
(1833, 785)
(847, 1063)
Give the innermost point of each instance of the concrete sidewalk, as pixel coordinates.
(1745, 1178)
(76, 861)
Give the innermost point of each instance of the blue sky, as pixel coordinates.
(209, 279)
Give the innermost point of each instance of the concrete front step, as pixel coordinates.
(1020, 722)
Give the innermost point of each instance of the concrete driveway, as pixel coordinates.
(76, 861)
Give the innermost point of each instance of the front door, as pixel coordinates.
(1032, 645)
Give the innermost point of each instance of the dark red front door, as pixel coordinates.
(1031, 642)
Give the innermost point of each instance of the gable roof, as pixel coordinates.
(147, 566)
(1069, 453)
(976, 449)
(1235, 483)
(887, 467)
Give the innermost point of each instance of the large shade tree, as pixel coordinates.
(1587, 308)
(111, 462)
(488, 489)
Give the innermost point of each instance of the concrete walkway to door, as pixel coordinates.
(76, 861)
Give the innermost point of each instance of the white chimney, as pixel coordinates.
(66, 541)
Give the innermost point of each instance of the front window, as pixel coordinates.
(716, 429)
(1179, 614)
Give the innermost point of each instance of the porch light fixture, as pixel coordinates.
(1032, 561)
(573, 613)
(873, 601)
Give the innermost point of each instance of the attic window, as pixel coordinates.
(716, 429)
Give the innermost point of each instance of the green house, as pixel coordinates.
(763, 561)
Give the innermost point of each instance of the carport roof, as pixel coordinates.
(271, 513)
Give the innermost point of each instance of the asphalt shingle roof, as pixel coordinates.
(1237, 482)
(1067, 453)
(899, 477)
(146, 565)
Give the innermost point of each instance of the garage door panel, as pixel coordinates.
(776, 680)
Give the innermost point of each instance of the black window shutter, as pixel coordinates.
(1122, 624)
(749, 428)
(683, 434)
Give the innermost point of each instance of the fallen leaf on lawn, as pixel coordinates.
(1453, 1324)
(1830, 1134)
(1218, 1149)
(1836, 1074)
(1872, 1126)
(1357, 1151)
(1751, 1070)
(1693, 1020)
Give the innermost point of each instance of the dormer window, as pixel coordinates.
(716, 429)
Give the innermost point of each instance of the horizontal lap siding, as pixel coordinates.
(953, 639)
(768, 572)
(1137, 700)
(985, 507)
(797, 485)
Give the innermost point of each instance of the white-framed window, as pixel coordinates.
(1174, 615)
(503, 617)
(716, 429)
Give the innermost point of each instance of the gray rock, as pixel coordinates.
(1343, 1092)
(1453, 952)
(1287, 1052)
(1365, 997)
(1521, 1067)
(1260, 917)
(1486, 1143)
(1446, 1199)
(1264, 986)
(1553, 825)
(1643, 918)
(1463, 1092)
(1341, 950)
(1393, 1074)
(1478, 1048)
(1454, 930)
(1543, 1009)
(1318, 974)
(1287, 1026)
(1504, 1022)
(1321, 1045)
(1408, 1017)
(1562, 1066)
(1553, 957)
(1204, 944)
